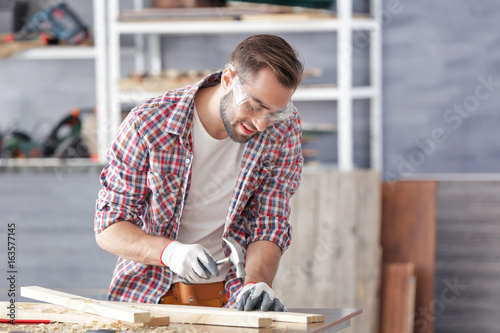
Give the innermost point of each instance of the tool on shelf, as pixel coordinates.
(54, 24)
(65, 139)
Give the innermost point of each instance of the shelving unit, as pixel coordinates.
(68, 52)
(344, 93)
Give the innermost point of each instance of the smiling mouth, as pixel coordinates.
(247, 130)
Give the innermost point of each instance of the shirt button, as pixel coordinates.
(188, 160)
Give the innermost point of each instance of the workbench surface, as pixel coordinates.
(335, 320)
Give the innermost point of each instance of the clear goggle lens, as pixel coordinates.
(244, 103)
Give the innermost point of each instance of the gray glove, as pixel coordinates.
(258, 296)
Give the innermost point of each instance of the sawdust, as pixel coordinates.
(82, 328)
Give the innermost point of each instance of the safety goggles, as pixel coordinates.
(255, 110)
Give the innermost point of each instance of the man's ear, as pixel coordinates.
(227, 78)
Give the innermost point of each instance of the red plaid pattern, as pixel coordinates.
(147, 179)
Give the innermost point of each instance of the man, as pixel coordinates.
(219, 159)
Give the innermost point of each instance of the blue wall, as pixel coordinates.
(442, 88)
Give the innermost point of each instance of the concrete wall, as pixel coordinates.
(441, 88)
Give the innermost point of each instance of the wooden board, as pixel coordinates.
(226, 317)
(369, 251)
(11, 48)
(334, 260)
(327, 238)
(467, 256)
(74, 302)
(57, 313)
(398, 298)
(408, 235)
(175, 313)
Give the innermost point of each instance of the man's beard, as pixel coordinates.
(227, 107)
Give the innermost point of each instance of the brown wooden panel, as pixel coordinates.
(398, 298)
(408, 235)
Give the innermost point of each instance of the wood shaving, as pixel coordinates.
(82, 328)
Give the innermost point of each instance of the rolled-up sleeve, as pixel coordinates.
(124, 179)
(270, 208)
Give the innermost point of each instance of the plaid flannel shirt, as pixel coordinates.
(147, 179)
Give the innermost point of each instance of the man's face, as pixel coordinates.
(240, 130)
(241, 124)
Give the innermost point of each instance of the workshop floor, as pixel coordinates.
(55, 246)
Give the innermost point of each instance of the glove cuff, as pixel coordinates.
(271, 286)
(164, 255)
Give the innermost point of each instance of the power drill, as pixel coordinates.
(56, 23)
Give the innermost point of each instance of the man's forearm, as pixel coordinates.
(262, 261)
(129, 241)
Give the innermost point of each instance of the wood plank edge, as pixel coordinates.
(292, 317)
(32, 311)
(74, 302)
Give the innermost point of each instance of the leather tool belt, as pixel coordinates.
(207, 294)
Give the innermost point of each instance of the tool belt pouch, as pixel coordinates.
(208, 294)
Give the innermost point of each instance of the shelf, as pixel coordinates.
(149, 27)
(307, 94)
(226, 27)
(57, 53)
(301, 95)
(65, 53)
(319, 127)
(56, 165)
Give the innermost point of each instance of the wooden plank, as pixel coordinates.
(398, 298)
(296, 271)
(57, 313)
(346, 273)
(287, 17)
(369, 250)
(467, 256)
(295, 317)
(115, 311)
(206, 315)
(325, 289)
(408, 235)
(345, 260)
(340, 262)
(226, 317)
(305, 231)
(286, 275)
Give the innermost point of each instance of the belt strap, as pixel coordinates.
(207, 294)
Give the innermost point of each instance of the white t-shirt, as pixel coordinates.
(215, 169)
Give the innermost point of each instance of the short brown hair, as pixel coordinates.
(268, 51)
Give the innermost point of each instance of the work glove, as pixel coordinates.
(190, 262)
(258, 296)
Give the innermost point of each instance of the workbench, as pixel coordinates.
(335, 320)
(82, 313)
